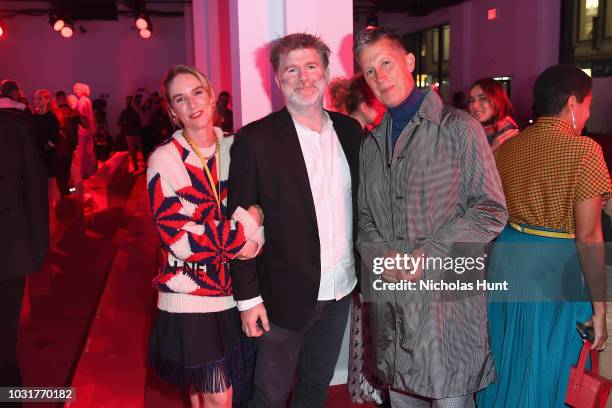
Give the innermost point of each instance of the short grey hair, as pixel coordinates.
(288, 43)
(371, 35)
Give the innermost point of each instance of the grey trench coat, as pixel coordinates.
(439, 187)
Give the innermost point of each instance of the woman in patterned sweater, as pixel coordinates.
(196, 340)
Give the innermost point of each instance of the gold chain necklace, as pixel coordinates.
(216, 189)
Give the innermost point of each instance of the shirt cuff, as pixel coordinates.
(249, 303)
(259, 238)
(243, 217)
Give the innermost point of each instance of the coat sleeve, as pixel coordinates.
(370, 243)
(212, 242)
(243, 192)
(483, 204)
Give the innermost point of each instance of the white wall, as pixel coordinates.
(110, 57)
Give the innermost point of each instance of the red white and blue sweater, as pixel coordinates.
(196, 244)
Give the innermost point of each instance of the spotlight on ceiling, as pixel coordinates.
(56, 22)
(67, 30)
(146, 33)
(2, 29)
(142, 21)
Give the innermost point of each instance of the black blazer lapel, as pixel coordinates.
(349, 142)
(295, 159)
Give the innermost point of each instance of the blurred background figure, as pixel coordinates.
(87, 129)
(129, 125)
(362, 105)
(9, 96)
(224, 117)
(103, 141)
(489, 104)
(47, 134)
(73, 101)
(69, 120)
(336, 91)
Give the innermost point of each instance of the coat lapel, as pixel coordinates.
(295, 159)
(345, 142)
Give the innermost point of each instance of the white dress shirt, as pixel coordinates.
(330, 182)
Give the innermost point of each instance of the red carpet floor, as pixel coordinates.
(91, 308)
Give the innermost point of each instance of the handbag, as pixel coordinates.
(587, 389)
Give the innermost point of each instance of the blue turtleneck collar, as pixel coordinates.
(404, 112)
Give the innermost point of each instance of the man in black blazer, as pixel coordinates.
(300, 165)
(24, 227)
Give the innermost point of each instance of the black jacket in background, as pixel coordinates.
(24, 208)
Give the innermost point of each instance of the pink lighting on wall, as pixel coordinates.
(491, 14)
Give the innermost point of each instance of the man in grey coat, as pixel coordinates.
(429, 190)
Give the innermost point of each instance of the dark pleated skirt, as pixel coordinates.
(202, 352)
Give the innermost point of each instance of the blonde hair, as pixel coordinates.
(184, 69)
(47, 94)
(85, 89)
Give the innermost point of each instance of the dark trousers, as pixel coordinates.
(11, 295)
(313, 350)
(62, 173)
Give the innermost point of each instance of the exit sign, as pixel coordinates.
(491, 14)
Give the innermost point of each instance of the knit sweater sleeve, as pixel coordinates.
(209, 242)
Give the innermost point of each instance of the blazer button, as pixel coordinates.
(316, 266)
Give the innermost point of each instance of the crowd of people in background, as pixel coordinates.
(73, 131)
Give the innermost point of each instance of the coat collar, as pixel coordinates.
(430, 110)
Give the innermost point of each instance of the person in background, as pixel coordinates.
(47, 129)
(362, 105)
(196, 342)
(224, 117)
(551, 252)
(69, 120)
(87, 128)
(489, 104)
(10, 95)
(337, 89)
(129, 125)
(363, 383)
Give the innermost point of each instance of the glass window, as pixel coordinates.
(588, 10)
(446, 42)
(435, 36)
(609, 18)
